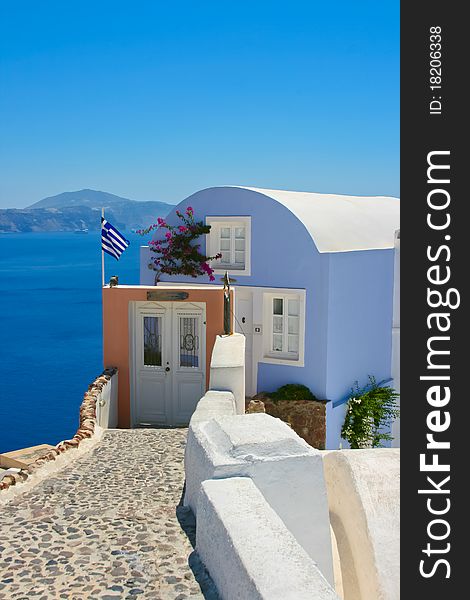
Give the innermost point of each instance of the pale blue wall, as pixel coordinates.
(348, 297)
(359, 325)
(314, 374)
(359, 318)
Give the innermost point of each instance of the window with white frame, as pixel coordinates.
(284, 327)
(230, 236)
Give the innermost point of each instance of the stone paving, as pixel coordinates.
(110, 525)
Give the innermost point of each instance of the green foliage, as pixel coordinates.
(370, 410)
(292, 391)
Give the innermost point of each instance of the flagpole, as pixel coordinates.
(102, 251)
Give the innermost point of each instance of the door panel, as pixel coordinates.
(152, 381)
(152, 395)
(187, 394)
(189, 374)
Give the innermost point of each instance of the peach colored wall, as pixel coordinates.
(116, 332)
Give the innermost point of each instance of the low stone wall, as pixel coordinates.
(248, 550)
(86, 430)
(306, 417)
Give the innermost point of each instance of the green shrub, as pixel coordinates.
(292, 391)
(370, 410)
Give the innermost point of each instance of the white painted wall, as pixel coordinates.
(287, 471)
(247, 549)
(107, 404)
(364, 502)
(227, 371)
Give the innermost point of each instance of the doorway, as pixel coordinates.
(168, 362)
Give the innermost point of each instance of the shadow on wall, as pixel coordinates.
(346, 576)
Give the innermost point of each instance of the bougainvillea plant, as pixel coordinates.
(370, 412)
(176, 252)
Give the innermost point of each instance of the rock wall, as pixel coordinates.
(306, 417)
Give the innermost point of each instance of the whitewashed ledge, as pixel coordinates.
(248, 550)
(88, 434)
(213, 404)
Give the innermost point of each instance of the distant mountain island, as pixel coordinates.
(73, 211)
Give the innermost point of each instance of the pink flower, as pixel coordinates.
(168, 235)
(182, 228)
(205, 267)
(189, 210)
(161, 221)
(211, 278)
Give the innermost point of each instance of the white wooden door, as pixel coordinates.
(188, 361)
(169, 362)
(244, 324)
(151, 355)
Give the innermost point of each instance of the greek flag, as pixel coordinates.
(112, 242)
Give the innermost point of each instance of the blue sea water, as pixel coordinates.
(50, 330)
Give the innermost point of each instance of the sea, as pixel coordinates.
(50, 329)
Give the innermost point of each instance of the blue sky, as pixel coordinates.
(154, 100)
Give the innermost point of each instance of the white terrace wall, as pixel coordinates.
(287, 471)
(247, 548)
(214, 404)
(364, 499)
(228, 367)
(223, 442)
(252, 473)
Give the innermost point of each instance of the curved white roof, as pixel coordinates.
(342, 223)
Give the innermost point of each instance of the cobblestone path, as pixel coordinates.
(109, 525)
